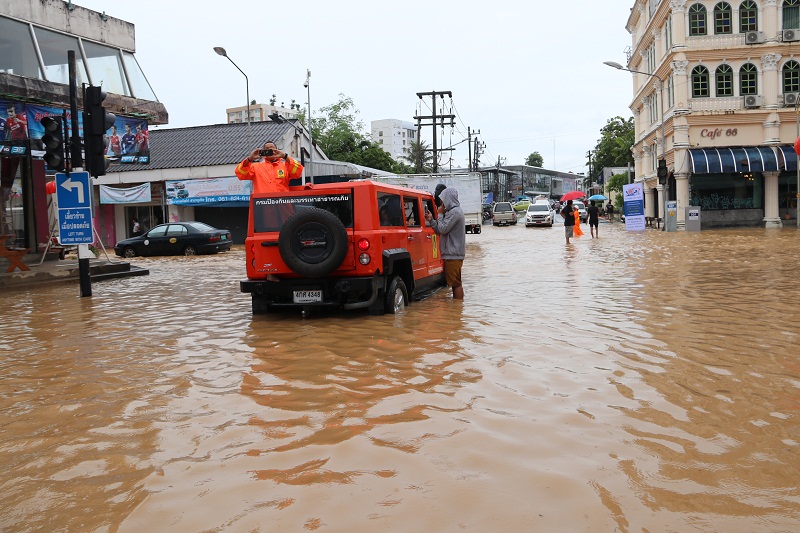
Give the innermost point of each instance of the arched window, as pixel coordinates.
(748, 16)
(791, 77)
(700, 82)
(748, 79)
(724, 79)
(723, 19)
(697, 19)
(791, 14)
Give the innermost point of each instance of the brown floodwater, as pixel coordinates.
(637, 382)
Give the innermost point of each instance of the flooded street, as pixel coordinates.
(636, 382)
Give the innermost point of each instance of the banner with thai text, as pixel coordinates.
(633, 205)
(207, 191)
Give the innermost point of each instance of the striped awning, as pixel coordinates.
(733, 159)
(787, 158)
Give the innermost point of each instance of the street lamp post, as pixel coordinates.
(797, 159)
(221, 51)
(310, 172)
(663, 137)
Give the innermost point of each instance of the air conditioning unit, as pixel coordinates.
(754, 37)
(790, 35)
(752, 101)
(790, 98)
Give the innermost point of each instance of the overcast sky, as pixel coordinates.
(528, 74)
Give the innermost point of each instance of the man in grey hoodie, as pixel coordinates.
(449, 225)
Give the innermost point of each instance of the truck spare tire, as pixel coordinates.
(313, 242)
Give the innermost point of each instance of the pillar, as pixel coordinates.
(682, 196)
(649, 203)
(771, 217)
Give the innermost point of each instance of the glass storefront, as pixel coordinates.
(787, 195)
(12, 212)
(729, 191)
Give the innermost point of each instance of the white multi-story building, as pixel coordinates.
(394, 136)
(258, 113)
(715, 94)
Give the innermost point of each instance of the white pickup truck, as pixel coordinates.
(468, 185)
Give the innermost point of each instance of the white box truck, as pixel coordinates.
(468, 185)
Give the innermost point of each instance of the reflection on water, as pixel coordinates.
(636, 382)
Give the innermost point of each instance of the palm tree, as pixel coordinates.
(419, 156)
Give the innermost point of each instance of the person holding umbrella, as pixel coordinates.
(569, 220)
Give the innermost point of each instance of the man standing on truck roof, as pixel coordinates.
(453, 243)
(269, 169)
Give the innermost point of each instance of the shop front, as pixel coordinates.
(743, 186)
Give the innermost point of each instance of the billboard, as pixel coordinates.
(209, 191)
(633, 205)
(128, 140)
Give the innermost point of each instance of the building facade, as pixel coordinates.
(259, 113)
(715, 95)
(508, 182)
(394, 136)
(36, 38)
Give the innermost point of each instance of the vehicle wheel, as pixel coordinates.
(313, 242)
(190, 250)
(396, 297)
(477, 229)
(260, 304)
(128, 252)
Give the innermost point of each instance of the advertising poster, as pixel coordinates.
(13, 121)
(36, 113)
(128, 139)
(633, 205)
(208, 191)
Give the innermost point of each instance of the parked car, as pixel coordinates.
(522, 204)
(349, 245)
(539, 214)
(176, 238)
(503, 214)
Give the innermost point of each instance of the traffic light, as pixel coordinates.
(96, 122)
(662, 172)
(53, 141)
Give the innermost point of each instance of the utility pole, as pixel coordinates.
(469, 145)
(433, 118)
(479, 147)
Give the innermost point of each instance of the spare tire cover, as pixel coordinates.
(313, 242)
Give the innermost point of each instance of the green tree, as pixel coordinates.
(535, 160)
(615, 183)
(613, 149)
(419, 157)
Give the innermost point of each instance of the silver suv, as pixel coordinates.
(503, 214)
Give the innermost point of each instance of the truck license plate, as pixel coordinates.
(307, 297)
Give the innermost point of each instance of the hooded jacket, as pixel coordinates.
(450, 226)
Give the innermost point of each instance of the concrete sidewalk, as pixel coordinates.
(54, 270)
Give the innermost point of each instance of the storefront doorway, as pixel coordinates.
(149, 216)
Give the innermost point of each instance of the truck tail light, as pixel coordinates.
(363, 245)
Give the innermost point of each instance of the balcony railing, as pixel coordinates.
(716, 42)
(732, 103)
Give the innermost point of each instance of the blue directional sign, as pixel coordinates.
(74, 196)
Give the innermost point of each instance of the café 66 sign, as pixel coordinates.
(718, 132)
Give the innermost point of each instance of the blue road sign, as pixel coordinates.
(74, 195)
(73, 190)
